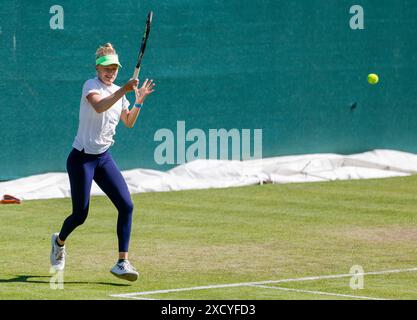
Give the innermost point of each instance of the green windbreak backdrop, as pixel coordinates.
(295, 69)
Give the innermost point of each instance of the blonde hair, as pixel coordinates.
(105, 50)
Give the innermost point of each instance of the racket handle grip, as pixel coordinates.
(136, 73)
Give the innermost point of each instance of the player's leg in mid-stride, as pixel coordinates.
(109, 178)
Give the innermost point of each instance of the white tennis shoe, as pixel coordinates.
(57, 254)
(124, 270)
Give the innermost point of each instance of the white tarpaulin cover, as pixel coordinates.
(202, 174)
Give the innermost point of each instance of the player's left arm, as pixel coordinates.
(129, 116)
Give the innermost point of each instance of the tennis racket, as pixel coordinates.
(143, 44)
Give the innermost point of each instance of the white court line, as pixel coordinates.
(317, 292)
(243, 284)
(140, 298)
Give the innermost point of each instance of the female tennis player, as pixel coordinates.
(103, 104)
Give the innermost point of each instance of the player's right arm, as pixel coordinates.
(102, 104)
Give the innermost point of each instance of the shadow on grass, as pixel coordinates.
(27, 279)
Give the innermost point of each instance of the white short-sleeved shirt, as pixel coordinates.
(96, 130)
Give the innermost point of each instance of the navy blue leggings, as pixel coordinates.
(82, 170)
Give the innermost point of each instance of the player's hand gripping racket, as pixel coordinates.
(143, 44)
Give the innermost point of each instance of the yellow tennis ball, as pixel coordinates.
(373, 78)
